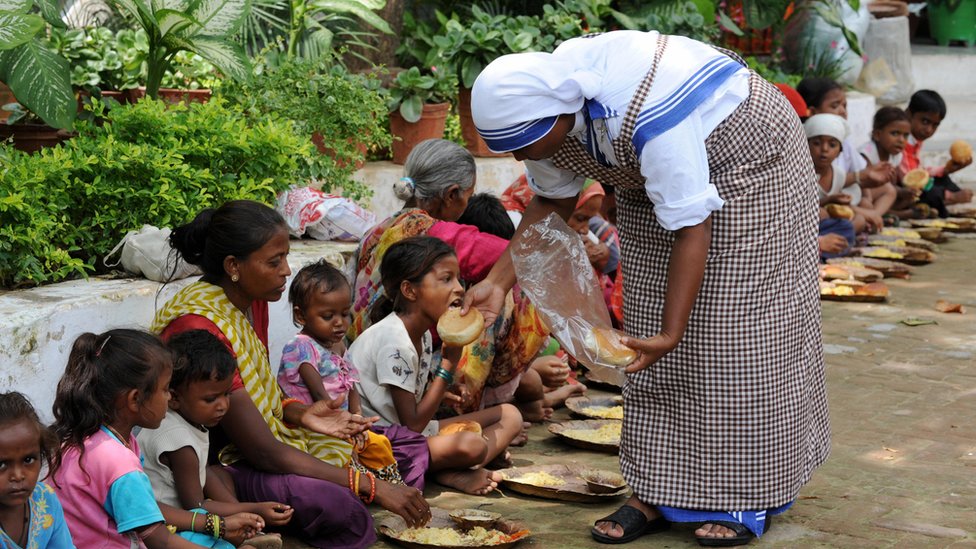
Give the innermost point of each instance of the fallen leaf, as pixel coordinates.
(917, 321)
(944, 306)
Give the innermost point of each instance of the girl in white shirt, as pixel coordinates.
(397, 380)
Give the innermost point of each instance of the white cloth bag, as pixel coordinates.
(147, 252)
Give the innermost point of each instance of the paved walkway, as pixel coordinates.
(902, 472)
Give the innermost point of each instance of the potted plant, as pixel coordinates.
(419, 104)
(30, 134)
(190, 78)
(205, 28)
(342, 113)
(104, 63)
(38, 77)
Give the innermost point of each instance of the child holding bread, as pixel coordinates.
(926, 110)
(399, 383)
(825, 134)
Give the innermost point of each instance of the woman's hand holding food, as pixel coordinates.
(649, 350)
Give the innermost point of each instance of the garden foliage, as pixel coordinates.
(65, 207)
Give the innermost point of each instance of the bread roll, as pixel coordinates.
(458, 330)
(873, 289)
(839, 211)
(604, 344)
(832, 272)
(961, 152)
(460, 427)
(916, 179)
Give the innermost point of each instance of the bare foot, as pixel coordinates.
(709, 530)
(614, 530)
(535, 411)
(501, 461)
(557, 397)
(476, 482)
(263, 541)
(523, 437)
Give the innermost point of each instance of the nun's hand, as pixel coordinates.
(487, 297)
(649, 350)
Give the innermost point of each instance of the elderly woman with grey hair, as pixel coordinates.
(439, 178)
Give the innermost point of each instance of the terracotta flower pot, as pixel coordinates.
(406, 135)
(472, 140)
(6, 96)
(323, 148)
(171, 95)
(31, 138)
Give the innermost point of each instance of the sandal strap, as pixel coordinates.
(627, 517)
(737, 527)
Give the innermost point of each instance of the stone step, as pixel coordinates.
(951, 71)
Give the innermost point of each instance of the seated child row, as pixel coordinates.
(156, 489)
(869, 180)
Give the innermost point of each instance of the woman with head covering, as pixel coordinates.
(726, 414)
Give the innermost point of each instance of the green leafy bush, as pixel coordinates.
(347, 109)
(63, 208)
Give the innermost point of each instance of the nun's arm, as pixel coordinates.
(489, 294)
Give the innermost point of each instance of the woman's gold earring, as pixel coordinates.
(234, 278)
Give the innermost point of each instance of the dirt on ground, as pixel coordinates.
(902, 469)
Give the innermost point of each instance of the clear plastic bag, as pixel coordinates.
(888, 72)
(553, 270)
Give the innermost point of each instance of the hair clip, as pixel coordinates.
(102, 346)
(408, 181)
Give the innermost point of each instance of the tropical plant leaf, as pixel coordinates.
(51, 12)
(852, 40)
(228, 57)
(266, 22)
(141, 11)
(854, 4)
(172, 21)
(360, 8)
(728, 24)
(18, 28)
(16, 6)
(762, 14)
(221, 17)
(40, 80)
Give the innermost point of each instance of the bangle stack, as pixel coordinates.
(445, 375)
(354, 477)
(214, 526)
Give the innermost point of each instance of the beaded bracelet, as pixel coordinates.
(372, 489)
(445, 375)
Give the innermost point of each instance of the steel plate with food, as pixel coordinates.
(610, 407)
(563, 482)
(443, 531)
(602, 435)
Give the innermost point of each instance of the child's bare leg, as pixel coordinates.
(452, 457)
(557, 397)
(219, 485)
(962, 196)
(882, 198)
(499, 425)
(530, 398)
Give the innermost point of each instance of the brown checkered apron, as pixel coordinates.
(735, 418)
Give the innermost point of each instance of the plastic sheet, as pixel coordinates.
(888, 72)
(323, 216)
(814, 41)
(553, 270)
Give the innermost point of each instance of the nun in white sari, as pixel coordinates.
(725, 414)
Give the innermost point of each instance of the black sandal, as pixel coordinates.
(743, 535)
(634, 523)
